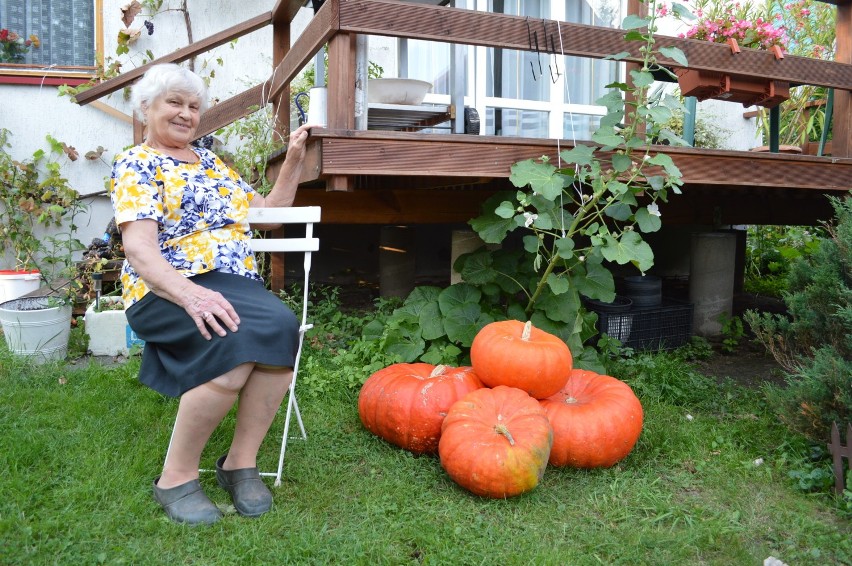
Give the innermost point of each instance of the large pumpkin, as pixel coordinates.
(406, 403)
(596, 421)
(517, 354)
(495, 442)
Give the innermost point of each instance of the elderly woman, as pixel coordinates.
(212, 332)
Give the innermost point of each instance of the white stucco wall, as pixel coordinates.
(31, 112)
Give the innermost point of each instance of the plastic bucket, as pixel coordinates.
(14, 284)
(643, 290)
(32, 328)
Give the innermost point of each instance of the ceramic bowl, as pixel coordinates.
(397, 91)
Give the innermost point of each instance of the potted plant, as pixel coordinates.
(37, 211)
(739, 25)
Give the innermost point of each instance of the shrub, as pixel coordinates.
(814, 342)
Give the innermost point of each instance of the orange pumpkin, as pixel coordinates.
(596, 421)
(495, 442)
(406, 403)
(517, 354)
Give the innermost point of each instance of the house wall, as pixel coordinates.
(32, 111)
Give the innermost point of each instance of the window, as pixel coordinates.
(66, 33)
(518, 96)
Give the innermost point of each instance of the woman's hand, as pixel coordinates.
(283, 192)
(211, 311)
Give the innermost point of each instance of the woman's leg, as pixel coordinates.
(200, 412)
(259, 401)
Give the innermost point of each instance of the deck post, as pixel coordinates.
(712, 269)
(397, 263)
(841, 143)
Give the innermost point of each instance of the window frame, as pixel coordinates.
(72, 75)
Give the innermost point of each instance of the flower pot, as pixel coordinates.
(16, 283)
(108, 331)
(33, 328)
(732, 88)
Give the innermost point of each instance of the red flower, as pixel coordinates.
(4, 33)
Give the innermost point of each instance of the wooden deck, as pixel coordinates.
(386, 177)
(401, 177)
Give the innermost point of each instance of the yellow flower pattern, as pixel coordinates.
(200, 209)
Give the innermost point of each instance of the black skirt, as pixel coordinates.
(177, 358)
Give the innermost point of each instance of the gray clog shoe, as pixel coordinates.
(251, 496)
(187, 503)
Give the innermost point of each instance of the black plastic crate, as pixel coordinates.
(662, 327)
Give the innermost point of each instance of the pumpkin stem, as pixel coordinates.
(439, 369)
(501, 429)
(525, 335)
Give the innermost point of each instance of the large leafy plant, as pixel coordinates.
(576, 214)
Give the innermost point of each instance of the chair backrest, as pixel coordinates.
(307, 215)
(294, 215)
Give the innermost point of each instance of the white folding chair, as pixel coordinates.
(307, 215)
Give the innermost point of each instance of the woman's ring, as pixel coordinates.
(205, 315)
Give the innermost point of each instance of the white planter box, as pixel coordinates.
(108, 331)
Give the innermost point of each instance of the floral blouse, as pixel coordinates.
(200, 208)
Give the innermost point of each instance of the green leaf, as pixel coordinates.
(634, 35)
(580, 154)
(642, 78)
(562, 308)
(405, 343)
(559, 284)
(505, 210)
(595, 281)
(675, 54)
(618, 211)
(682, 12)
(632, 21)
(659, 114)
(373, 330)
(618, 56)
(490, 227)
(621, 162)
(531, 243)
(617, 188)
(630, 248)
(656, 182)
(607, 140)
(476, 267)
(648, 222)
(431, 324)
(539, 176)
(565, 248)
(458, 295)
(463, 322)
(666, 162)
(588, 359)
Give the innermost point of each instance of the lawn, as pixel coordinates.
(707, 483)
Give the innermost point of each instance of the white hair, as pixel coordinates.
(164, 78)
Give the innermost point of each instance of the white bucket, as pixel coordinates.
(14, 284)
(32, 328)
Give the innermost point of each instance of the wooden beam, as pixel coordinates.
(234, 108)
(319, 30)
(182, 54)
(341, 82)
(107, 109)
(285, 10)
(842, 114)
(455, 25)
(393, 155)
(698, 205)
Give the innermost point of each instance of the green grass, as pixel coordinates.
(81, 445)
